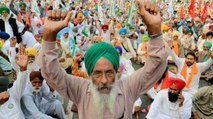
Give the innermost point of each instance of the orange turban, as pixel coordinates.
(118, 25)
(80, 14)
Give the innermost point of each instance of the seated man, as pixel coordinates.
(163, 83)
(38, 101)
(102, 96)
(171, 103)
(142, 50)
(10, 98)
(203, 56)
(202, 102)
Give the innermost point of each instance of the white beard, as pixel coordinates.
(31, 66)
(5, 19)
(104, 102)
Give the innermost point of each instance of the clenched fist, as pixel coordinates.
(54, 22)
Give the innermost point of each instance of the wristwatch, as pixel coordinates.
(155, 35)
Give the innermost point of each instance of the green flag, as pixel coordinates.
(85, 30)
(34, 8)
(72, 46)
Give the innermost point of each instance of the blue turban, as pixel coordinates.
(62, 32)
(98, 50)
(86, 12)
(122, 30)
(209, 34)
(4, 35)
(119, 49)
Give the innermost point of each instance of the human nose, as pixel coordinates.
(104, 79)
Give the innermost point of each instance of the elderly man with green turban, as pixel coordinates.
(204, 55)
(142, 49)
(9, 24)
(103, 96)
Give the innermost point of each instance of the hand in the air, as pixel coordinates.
(54, 22)
(149, 11)
(77, 57)
(13, 41)
(22, 58)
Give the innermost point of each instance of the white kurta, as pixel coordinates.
(28, 39)
(162, 108)
(153, 92)
(201, 68)
(9, 30)
(12, 109)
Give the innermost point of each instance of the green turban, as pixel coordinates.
(208, 44)
(4, 8)
(98, 50)
(96, 8)
(118, 13)
(145, 38)
(22, 3)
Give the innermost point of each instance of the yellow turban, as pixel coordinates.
(31, 51)
(164, 28)
(1, 44)
(175, 33)
(205, 31)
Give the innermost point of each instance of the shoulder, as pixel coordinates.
(163, 93)
(187, 96)
(204, 89)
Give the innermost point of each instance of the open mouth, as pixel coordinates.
(104, 90)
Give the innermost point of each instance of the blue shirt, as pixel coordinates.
(4, 64)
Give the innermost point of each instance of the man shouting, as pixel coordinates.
(103, 96)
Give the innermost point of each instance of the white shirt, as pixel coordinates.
(37, 46)
(9, 30)
(153, 92)
(28, 39)
(162, 108)
(201, 68)
(12, 109)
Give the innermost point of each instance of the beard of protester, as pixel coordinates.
(31, 65)
(104, 102)
(173, 97)
(189, 64)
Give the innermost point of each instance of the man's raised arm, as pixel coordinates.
(143, 79)
(67, 85)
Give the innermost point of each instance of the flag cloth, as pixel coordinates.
(211, 5)
(181, 13)
(199, 7)
(170, 9)
(100, 13)
(112, 8)
(129, 17)
(85, 30)
(191, 9)
(72, 46)
(204, 13)
(34, 8)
